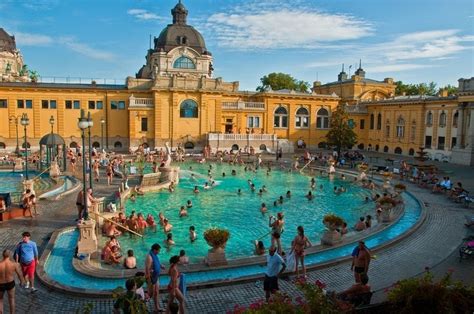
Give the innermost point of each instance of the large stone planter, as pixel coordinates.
(387, 213)
(216, 257)
(331, 236)
(87, 242)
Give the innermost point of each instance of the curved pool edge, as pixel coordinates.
(53, 284)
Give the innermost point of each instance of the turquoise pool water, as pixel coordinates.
(12, 181)
(59, 264)
(222, 207)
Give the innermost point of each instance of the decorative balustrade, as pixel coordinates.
(141, 102)
(241, 105)
(356, 109)
(241, 137)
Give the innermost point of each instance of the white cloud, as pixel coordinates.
(86, 50)
(144, 14)
(28, 39)
(282, 27)
(400, 67)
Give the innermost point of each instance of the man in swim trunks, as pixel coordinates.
(8, 268)
(26, 254)
(153, 268)
(360, 261)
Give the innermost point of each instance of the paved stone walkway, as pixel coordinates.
(433, 245)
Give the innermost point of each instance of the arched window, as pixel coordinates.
(387, 128)
(385, 149)
(360, 146)
(189, 145)
(372, 119)
(235, 147)
(322, 119)
(377, 147)
(442, 119)
(398, 151)
(73, 145)
(96, 145)
(184, 63)
(429, 118)
(411, 152)
(263, 147)
(188, 109)
(400, 127)
(118, 144)
(280, 118)
(2, 145)
(379, 121)
(413, 131)
(302, 118)
(455, 119)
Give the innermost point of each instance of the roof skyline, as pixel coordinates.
(309, 40)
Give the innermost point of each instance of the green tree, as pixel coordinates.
(341, 134)
(279, 81)
(416, 89)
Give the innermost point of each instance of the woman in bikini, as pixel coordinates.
(110, 173)
(299, 243)
(173, 286)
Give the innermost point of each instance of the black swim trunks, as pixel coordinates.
(7, 286)
(359, 270)
(270, 283)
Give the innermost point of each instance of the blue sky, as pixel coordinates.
(412, 41)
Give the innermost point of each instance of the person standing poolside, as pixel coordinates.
(26, 253)
(8, 268)
(275, 267)
(277, 230)
(173, 286)
(299, 243)
(95, 167)
(153, 268)
(360, 261)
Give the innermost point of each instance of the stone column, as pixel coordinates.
(87, 242)
(459, 135)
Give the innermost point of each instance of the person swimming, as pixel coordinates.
(263, 208)
(183, 212)
(288, 194)
(280, 199)
(234, 173)
(239, 192)
(206, 186)
(192, 234)
(309, 196)
(189, 204)
(196, 190)
(169, 240)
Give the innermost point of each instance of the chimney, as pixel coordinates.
(443, 92)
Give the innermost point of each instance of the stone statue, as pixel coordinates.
(167, 162)
(8, 68)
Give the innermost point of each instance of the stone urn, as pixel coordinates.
(386, 185)
(217, 239)
(331, 236)
(387, 214)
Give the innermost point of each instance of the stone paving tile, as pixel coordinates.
(434, 244)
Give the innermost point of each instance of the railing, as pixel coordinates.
(241, 137)
(250, 105)
(356, 109)
(80, 80)
(141, 102)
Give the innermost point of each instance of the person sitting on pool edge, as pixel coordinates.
(259, 247)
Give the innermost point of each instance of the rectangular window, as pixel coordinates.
(428, 141)
(121, 105)
(253, 122)
(387, 130)
(362, 124)
(117, 105)
(144, 124)
(3, 103)
(77, 104)
(113, 105)
(20, 104)
(52, 104)
(28, 104)
(68, 104)
(454, 141)
(99, 104)
(91, 104)
(44, 104)
(441, 140)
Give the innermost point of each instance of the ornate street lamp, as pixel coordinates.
(25, 121)
(83, 124)
(90, 125)
(102, 123)
(51, 121)
(15, 119)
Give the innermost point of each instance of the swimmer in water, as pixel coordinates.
(167, 226)
(260, 192)
(309, 196)
(189, 204)
(192, 234)
(196, 190)
(169, 240)
(183, 212)
(321, 187)
(264, 188)
(280, 200)
(288, 194)
(206, 186)
(193, 177)
(239, 192)
(234, 173)
(263, 208)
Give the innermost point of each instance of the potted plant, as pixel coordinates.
(400, 187)
(331, 236)
(387, 202)
(217, 239)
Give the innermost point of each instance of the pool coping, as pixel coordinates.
(43, 276)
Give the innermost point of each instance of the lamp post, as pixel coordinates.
(25, 121)
(90, 125)
(83, 124)
(17, 149)
(102, 123)
(51, 121)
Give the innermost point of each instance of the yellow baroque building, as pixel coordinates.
(175, 98)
